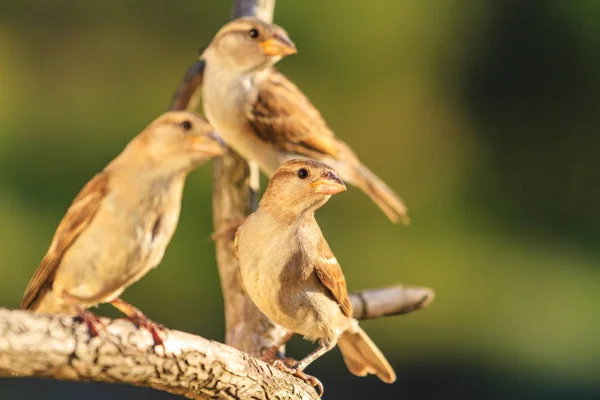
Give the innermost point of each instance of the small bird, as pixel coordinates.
(292, 276)
(119, 225)
(266, 119)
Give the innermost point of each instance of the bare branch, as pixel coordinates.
(57, 347)
(246, 327)
(187, 95)
(236, 187)
(393, 300)
(262, 9)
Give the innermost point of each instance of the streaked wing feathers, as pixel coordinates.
(330, 273)
(78, 217)
(282, 115)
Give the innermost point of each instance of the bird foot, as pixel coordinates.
(227, 231)
(141, 321)
(283, 366)
(272, 354)
(92, 321)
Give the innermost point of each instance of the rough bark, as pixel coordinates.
(61, 348)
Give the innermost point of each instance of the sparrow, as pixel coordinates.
(119, 225)
(291, 274)
(266, 119)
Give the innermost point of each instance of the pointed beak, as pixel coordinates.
(329, 184)
(210, 143)
(279, 45)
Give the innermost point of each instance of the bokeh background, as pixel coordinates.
(484, 115)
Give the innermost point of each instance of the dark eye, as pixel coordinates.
(186, 125)
(302, 173)
(253, 33)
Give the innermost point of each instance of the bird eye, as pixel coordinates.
(186, 125)
(302, 173)
(253, 33)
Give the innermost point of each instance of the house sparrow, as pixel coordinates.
(291, 274)
(119, 225)
(266, 119)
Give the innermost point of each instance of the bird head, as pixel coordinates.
(301, 186)
(177, 141)
(248, 44)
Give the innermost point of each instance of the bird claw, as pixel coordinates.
(141, 321)
(91, 321)
(279, 364)
(269, 355)
(272, 355)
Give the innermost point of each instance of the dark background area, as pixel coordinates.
(484, 116)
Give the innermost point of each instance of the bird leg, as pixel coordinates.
(298, 369)
(90, 319)
(227, 231)
(271, 354)
(139, 319)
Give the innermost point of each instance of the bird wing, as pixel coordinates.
(330, 273)
(281, 114)
(78, 217)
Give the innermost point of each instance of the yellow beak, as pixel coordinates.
(211, 144)
(329, 184)
(278, 45)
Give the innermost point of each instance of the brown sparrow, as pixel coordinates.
(119, 225)
(266, 119)
(293, 277)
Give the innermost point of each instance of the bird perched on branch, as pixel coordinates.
(291, 274)
(265, 118)
(119, 225)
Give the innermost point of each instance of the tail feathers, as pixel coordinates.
(389, 202)
(363, 357)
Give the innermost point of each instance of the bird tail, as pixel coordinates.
(363, 357)
(381, 194)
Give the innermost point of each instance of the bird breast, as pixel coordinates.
(226, 99)
(280, 280)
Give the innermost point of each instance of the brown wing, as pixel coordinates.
(330, 273)
(282, 115)
(78, 217)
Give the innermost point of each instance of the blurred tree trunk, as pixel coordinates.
(236, 190)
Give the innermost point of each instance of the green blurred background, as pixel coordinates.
(483, 115)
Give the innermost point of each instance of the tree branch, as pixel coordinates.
(58, 347)
(186, 96)
(389, 301)
(236, 187)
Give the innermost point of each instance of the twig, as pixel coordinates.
(393, 300)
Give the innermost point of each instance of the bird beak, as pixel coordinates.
(211, 144)
(278, 45)
(329, 184)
